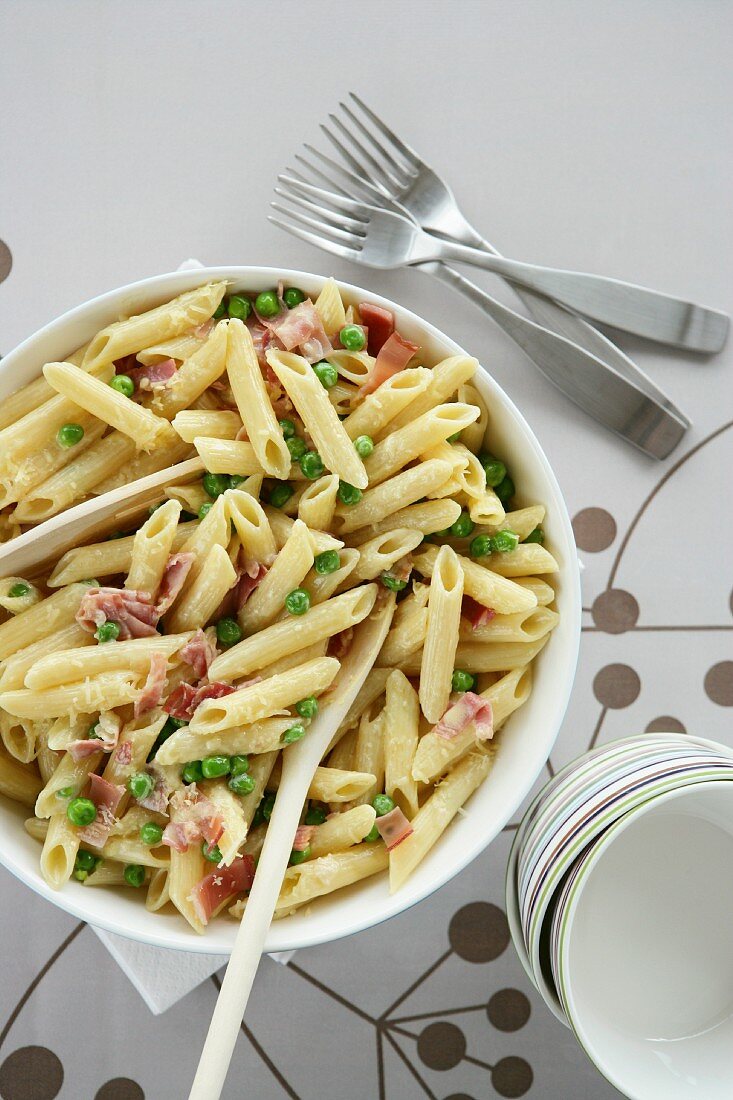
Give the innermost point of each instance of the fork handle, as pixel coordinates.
(654, 426)
(636, 309)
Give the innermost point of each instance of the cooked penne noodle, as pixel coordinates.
(473, 436)
(263, 699)
(392, 495)
(330, 785)
(108, 690)
(126, 849)
(260, 770)
(227, 456)
(53, 613)
(18, 781)
(190, 497)
(281, 526)
(151, 548)
(409, 628)
(177, 348)
(416, 438)
(369, 752)
(60, 846)
(252, 526)
(18, 595)
(370, 691)
(380, 407)
(482, 584)
(330, 307)
(105, 559)
(46, 758)
(158, 895)
(487, 509)
(69, 665)
(186, 871)
(65, 783)
(445, 378)
(263, 736)
(342, 831)
(17, 405)
(229, 808)
(217, 424)
(39, 467)
(323, 585)
(291, 635)
(318, 877)
(401, 728)
(381, 553)
(213, 530)
(454, 484)
(197, 605)
(342, 756)
(317, 413)
(478, 657)
(287, 571)
(441, 639)
(427, 517)
(436, 814)
(253, 402)
(185, 312)
(523, 626)
(317, 503)
(528, 558)
(143, 464)
(543, 592)
(354, 366)
(19, 737)
(194, 375)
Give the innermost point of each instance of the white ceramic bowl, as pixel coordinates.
(525, 743)
(644, 955)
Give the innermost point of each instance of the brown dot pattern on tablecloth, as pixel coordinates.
(615, 611)
(512, 1077)
(508, 1009)
(719, 684)
(479, 932)
(441, 1045)
(6, 261)
(120, 1088)
(459, 1096)
(616, 686)
(665, 724)
(594, 529)
(31, 1073)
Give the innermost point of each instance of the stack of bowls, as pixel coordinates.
(619, 898)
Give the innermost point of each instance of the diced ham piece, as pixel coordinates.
(300, 327)
(179, 835)
(134, 612)
(107, 732)
(394, 828)
(303, 837)
(154, 686)
(203, 330)
(402, 569)
(392, 358)
(194, 817)
(340, 644)
(123, 756)
(198, 652)
(218, 886)
(379, 323)
(253, 574)
(155, 376)
(174, 576)
(183, 700)
(476, 613)
(468, 708)
(106, 797)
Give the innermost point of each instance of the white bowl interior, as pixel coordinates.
(525, 742)
(647, 954)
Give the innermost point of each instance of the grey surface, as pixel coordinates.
(585, 135)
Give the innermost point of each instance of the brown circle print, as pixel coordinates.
(441, 1046)
(479, 932)
(508, 1009)
(31, 1073)
(594, 529)
(615, 611)
(719, 684)
(616, 686)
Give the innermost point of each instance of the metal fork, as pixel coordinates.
(613, 390)
(383, 238)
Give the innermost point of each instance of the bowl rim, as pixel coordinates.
(175, 282)
(588, 864)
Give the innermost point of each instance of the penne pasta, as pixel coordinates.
(287, 571)
(482, 584)
(253, 402)
(441, 639)
(217, 424)
(380, 407)
(392, 495)
(416, 438)
(401, 729)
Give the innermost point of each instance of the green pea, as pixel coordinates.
(242, 784)
(287, 427)
(239, 306)
(538, 535)
(383, 804)
(463, 526)
(154, 507)
(140, 785)
(205, 508)
(108, 632)
(267, 304)
(81, 811)
(151, 833)
(281, 494)
(297, 447)
(297, 602)
(212, 852)
(215, 484)
(394, 584)
(228, 632)
(505, 489)
(123, 384)
(454, 438)
(364, 445)
(328, 561)
(462, 681)
(268, 803)
(85, 861)
(293, 296)
(66, 792)
(372, 835)
(235, 480)
(192, 772)
(220, 310)
(480, 546)
(93, 732)
(69, 435)
(80, 876)
(494, 469)
(352, 338)
(326, 374)
(308, 707)
(20, 588)
(239, 764)
(504, 542)
(134, 874)
(311, 464)
(295, 733)
(298, 857)
(349, 494)
(315, 815)
(212, 767)
(91, 582)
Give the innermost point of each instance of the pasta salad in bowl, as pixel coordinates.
(319, 449)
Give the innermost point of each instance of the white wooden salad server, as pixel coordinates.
(299, 764)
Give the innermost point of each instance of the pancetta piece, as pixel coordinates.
(393, 827)
(392, 358)
(106, 797)
(152, 693)
(211, 893)
(134, 612)
(155, 376)
(104, 739)
(198, 652)
(468, 708)
(183, 700)
(174, 576)
(379, 323)
(476, 613)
